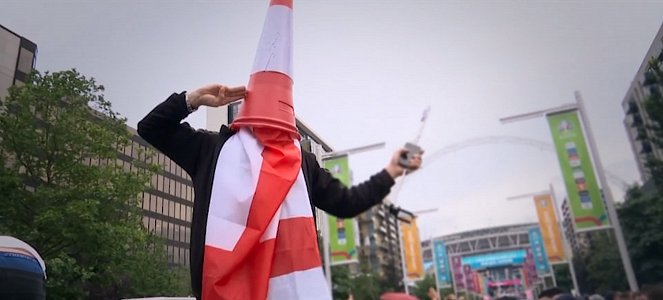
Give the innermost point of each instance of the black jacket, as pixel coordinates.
(196, 151)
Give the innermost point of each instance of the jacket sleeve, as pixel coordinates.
(330, 195)
(162, 128)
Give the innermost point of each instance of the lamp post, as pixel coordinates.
(565, 240)
(320, 155)
(403, 215)
(609, 200)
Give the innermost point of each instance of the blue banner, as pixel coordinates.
(441, 264)
(538, 251)
(516, 257)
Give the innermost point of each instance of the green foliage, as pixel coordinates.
(641, 215)
(421, 288)
(563, 276)
(604, 266)
(362, 286)
(64, 193)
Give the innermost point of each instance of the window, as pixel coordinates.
(233, 111)
(171, 209)
(187, 235)
(178, 188)
(172, 187)
(176, 230)
(158, 228)
(159, 205)
(164, 210)
(153, 203)
(25, 60)
(159, 183)
(177, 213)
(146, 201)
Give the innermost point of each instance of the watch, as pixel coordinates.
(188, 105)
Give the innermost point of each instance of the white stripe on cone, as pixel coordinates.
(275, 46)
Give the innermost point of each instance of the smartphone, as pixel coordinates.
(411, 151)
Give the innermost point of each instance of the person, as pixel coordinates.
(22, 270)
(200, 152)
(451, 296)
(596, 297)
(550, 293)
(433, 293)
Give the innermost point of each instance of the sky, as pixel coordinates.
(364, 71)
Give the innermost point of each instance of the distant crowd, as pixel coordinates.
(653, 293)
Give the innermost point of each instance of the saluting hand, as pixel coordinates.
(215, 95)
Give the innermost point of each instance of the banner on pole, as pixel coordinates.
(414, 265)
(538, 251)
(441, 264)
(550, 234)
(343, 232)
(577, 170)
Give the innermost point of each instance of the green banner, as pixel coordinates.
(343, 235)
(581, 185)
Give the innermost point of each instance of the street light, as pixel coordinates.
(609, 200)
(320, 155)
(567, 251)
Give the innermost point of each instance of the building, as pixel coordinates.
(380, 248)
(17, 59)
(636, 119)
(498, 259)
(168, 201)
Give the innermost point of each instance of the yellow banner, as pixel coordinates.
(552, 238)
(414, 264)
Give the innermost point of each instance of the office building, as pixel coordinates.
(17, 59)
(637, 120)
(379, 249)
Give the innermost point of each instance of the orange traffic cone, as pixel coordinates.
(268, 102)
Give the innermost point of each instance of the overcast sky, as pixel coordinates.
(365, 70)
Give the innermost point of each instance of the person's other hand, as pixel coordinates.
(215, 95)
(395, 169)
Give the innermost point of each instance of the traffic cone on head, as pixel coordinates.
(269, 102)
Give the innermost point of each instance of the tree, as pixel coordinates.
(421, 288)
(64, 194)
(363, 286)
(603, 262)
(641, 216)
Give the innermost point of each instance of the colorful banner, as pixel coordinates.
(538, 251)
(495, 259)
(414, 262)
(457, 270)
(581, 185)
(343, 234)
(552, 238)
(469, 278)
(441, 264)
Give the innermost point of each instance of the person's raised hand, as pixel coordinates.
(395, 169)
(215, 95)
